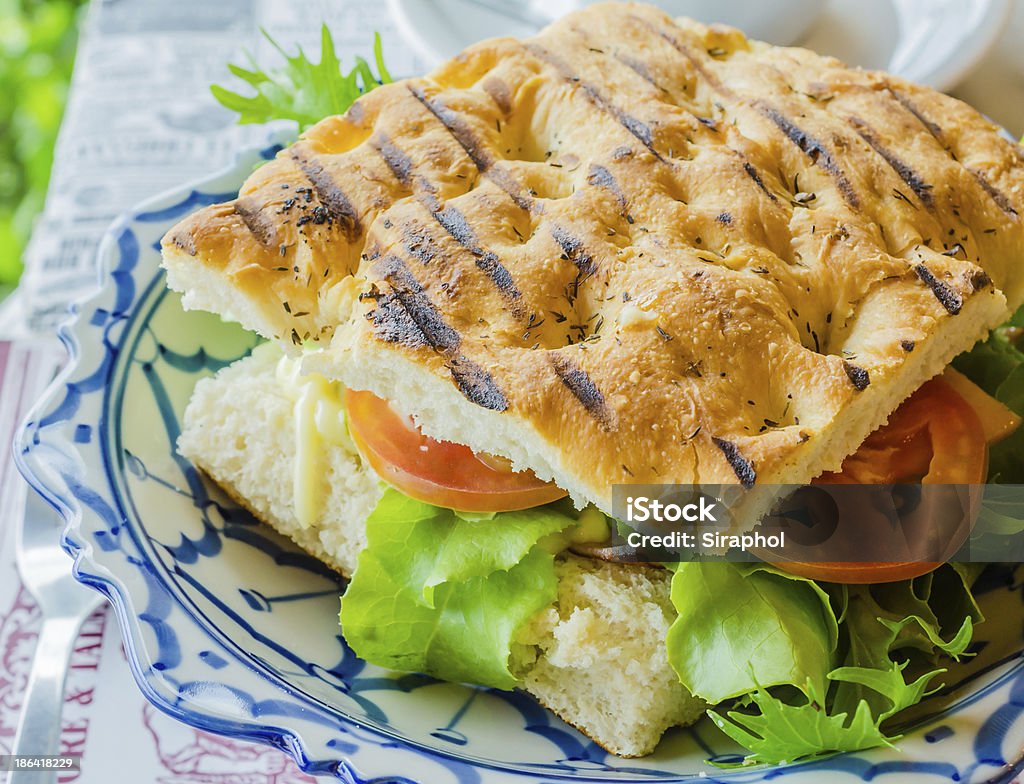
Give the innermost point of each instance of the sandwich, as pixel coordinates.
(629, 250)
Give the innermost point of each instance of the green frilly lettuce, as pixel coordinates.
(301, 90)
(798, 668)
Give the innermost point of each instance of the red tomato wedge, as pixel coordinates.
(438, 472)
(997, 420)
(934, 437)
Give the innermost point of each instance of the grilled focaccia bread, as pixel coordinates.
(597, 657)
(631, 249)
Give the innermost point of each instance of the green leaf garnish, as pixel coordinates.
(740, 628)
(302, 91)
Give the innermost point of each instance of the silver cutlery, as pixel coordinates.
(46, 572)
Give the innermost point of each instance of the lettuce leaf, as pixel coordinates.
(778, 731)
(302, 91)
(741, 627)
(1002, 515)
(769, 641)
(444, 594)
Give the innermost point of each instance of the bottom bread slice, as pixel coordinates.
(596, 658)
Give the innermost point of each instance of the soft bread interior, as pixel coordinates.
(600, 656)
(203, 289)
(596, 658)
(239, 427)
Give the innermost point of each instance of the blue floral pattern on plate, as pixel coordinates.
(232, 629)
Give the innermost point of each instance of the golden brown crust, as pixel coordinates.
(689, 251)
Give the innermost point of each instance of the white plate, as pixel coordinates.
(932, 42)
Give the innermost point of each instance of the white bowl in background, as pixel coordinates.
(932, 42)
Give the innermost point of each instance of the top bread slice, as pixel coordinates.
(631, 249)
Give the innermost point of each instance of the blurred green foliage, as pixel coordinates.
(37, 49)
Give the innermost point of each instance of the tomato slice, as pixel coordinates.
(438, 472)
(997, 420)
(935, 437)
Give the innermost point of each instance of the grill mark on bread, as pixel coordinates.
(454, 222)
(339, 208)
(403, 169)
(639, 129)
(185, 241)
(573, 248)
(392, 322)
(406, 315)
(980, 280)
(499, 92)
(477, 153)
(688, 55)
(400, 164)
(741, 466)
(859, 377)
(922, 189)
(410, 294)
(355, 113)
(584, 389)
(419, 244)
(459, 229)
(904, 100)
(813, 148)
(476, 384)
(640, 69)
(600, 176)
(1001, 200)
(259, 225)
(943, 292)
(752, 172)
